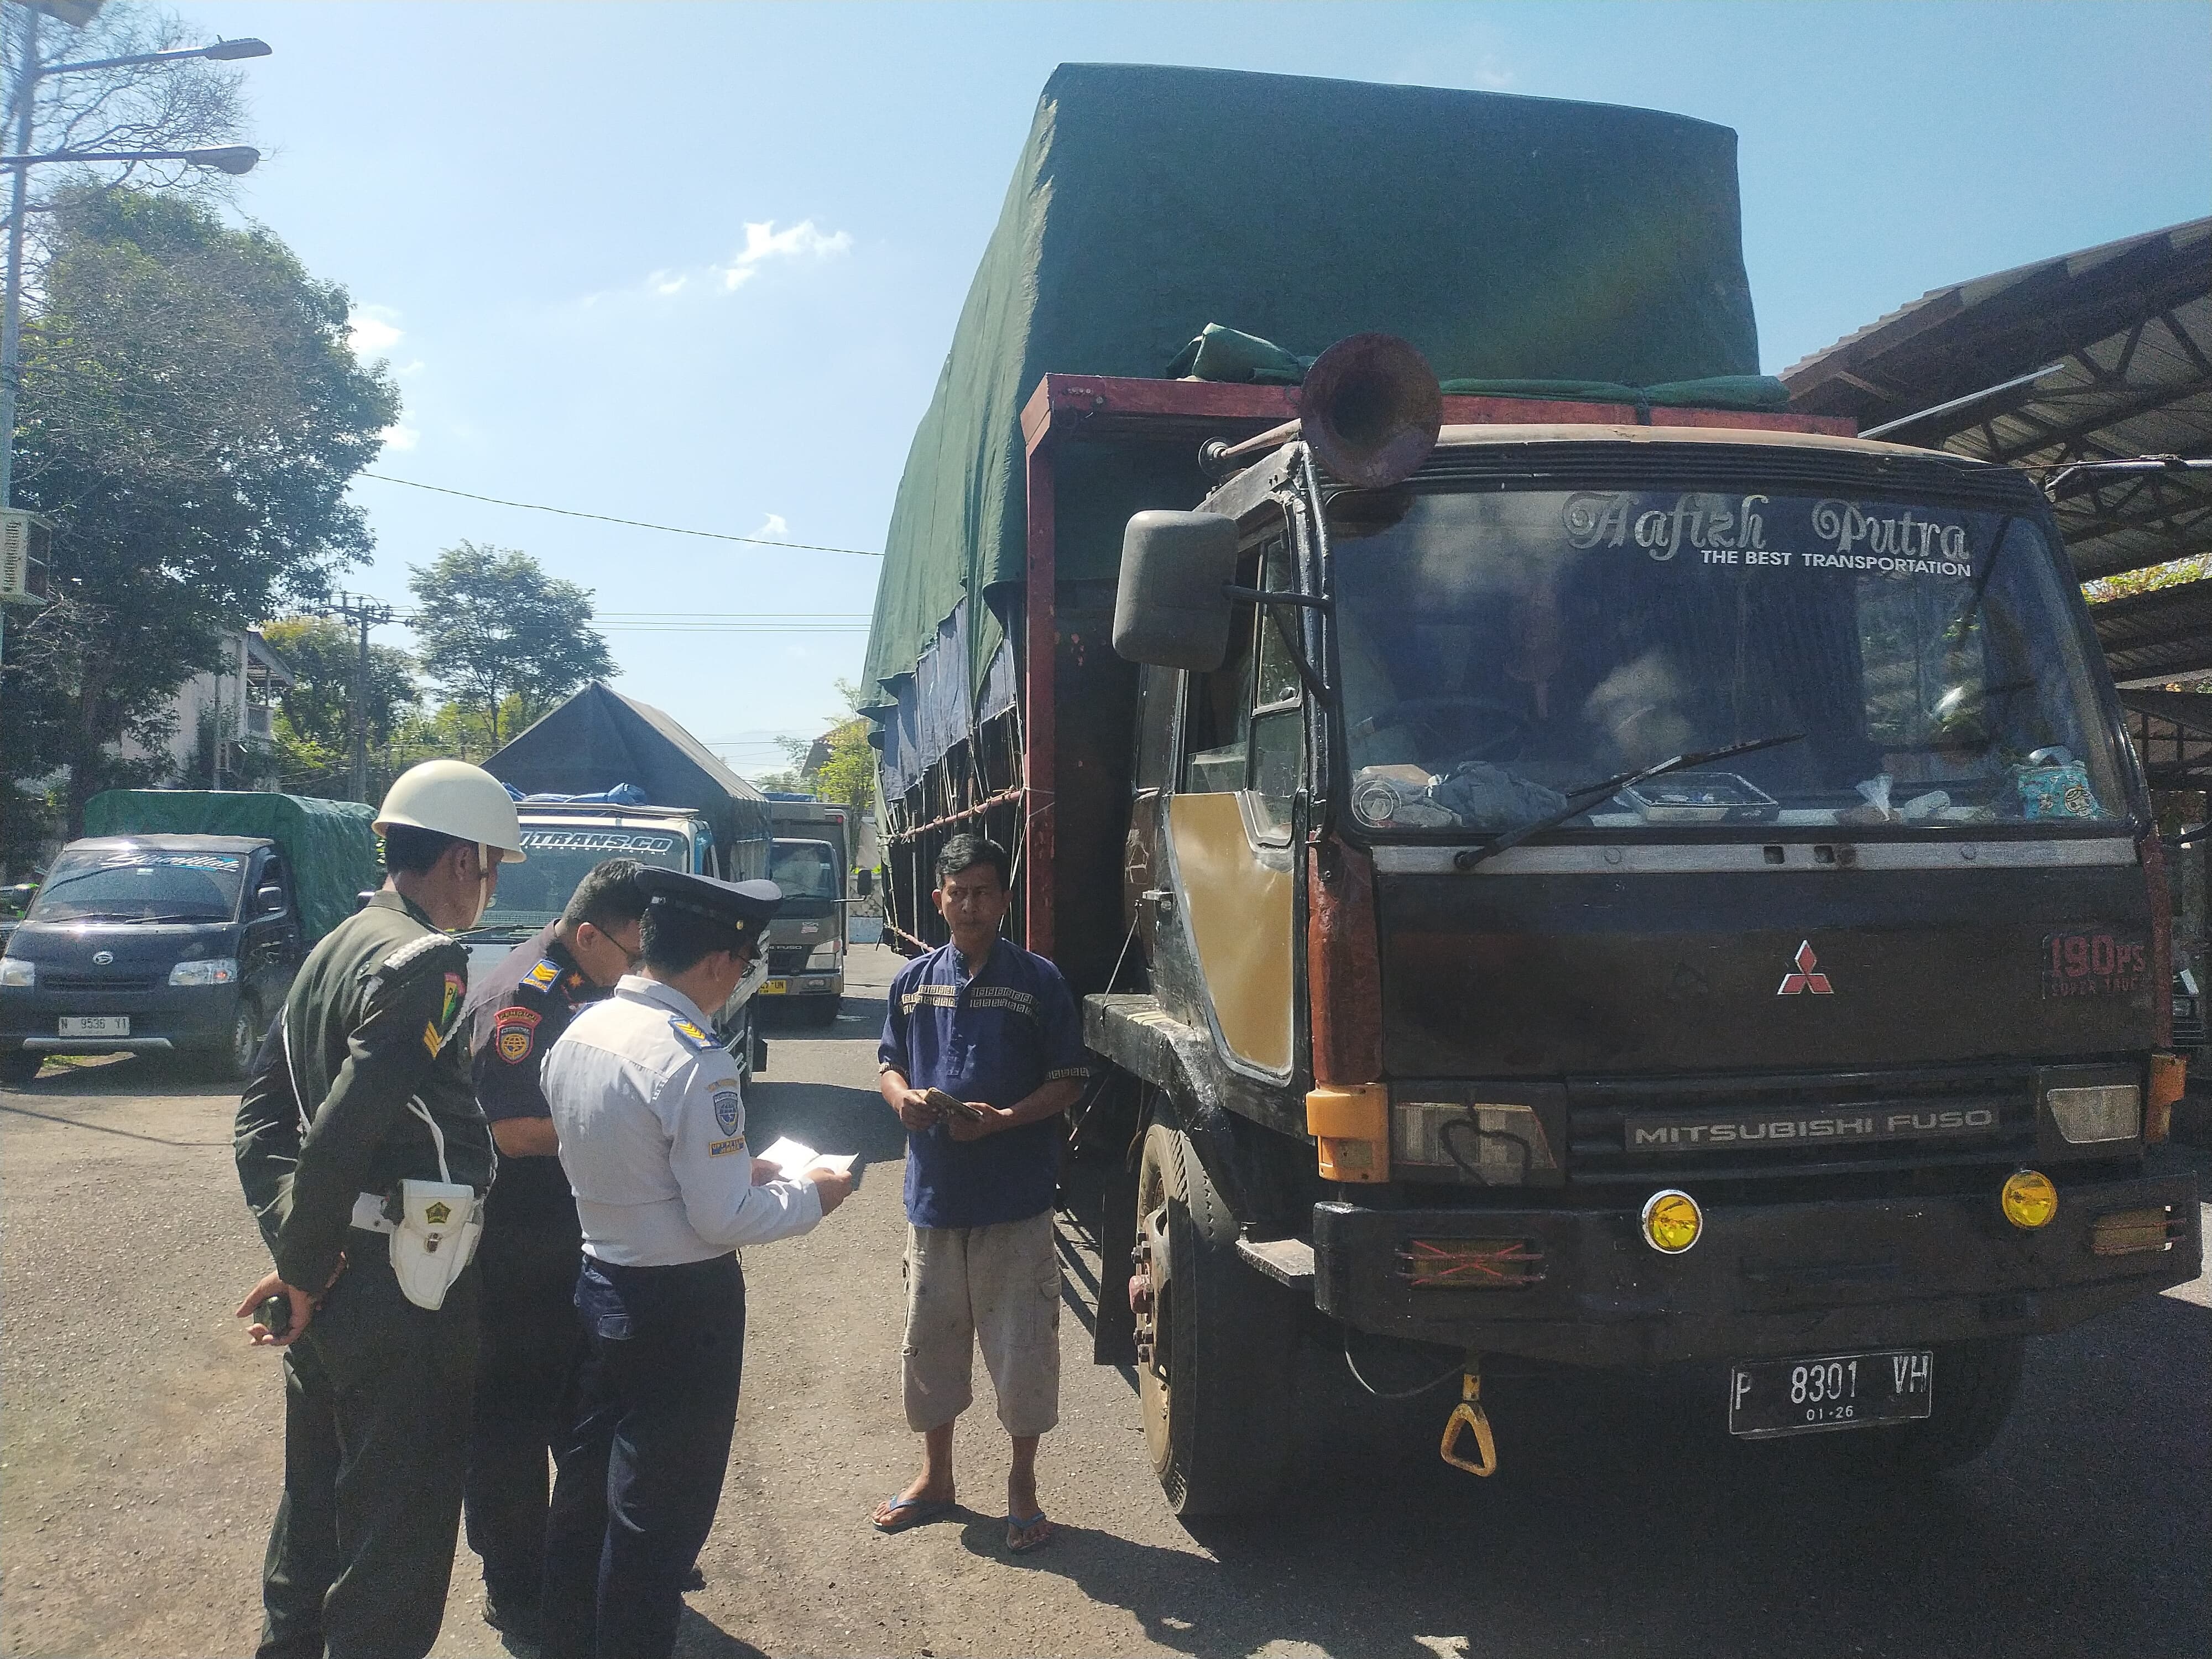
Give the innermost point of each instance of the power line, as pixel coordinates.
(634, 524)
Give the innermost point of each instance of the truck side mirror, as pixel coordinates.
(864, 881)
(1170, 610)
(270, 900)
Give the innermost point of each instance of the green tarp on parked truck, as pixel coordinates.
(1509, 238)
(332, 849)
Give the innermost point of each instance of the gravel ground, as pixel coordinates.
(140, 1459)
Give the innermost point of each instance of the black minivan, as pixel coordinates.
(151, 944)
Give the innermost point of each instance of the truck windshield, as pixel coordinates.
(138, 883)
(807, 873)
(1499, 650)
(535, 891)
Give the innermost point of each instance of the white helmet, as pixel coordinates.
(457, 799)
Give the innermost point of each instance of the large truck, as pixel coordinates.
(176, 924)
(811, 862)
(605, 776)
(1575, 863)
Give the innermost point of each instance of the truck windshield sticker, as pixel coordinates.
(170, 861)
(1726, 530)
(613, 843)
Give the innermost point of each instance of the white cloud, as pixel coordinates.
(763, 242)
(400, 438)
(773, 528)
(372, 330)
(661, 282)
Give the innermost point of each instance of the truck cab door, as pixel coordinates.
(1225, 926)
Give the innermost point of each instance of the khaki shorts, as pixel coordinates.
(997, 1285)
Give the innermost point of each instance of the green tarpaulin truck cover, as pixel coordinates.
(1509, 238)
(332, 849)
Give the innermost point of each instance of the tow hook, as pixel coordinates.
(1469, 1414)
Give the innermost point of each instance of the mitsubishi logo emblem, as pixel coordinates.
(1807, 976)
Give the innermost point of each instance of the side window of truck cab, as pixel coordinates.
(1244, 723)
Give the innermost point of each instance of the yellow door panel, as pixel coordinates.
(1239, 913)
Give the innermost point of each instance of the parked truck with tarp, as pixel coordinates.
(605, 776)
(1573, 862)
(177, 923)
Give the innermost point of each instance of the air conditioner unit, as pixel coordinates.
(23, 545)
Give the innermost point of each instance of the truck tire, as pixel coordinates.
(19, 1066)
(1216, 1342)
(1976, 1383)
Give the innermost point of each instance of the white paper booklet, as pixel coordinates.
(795, 1160)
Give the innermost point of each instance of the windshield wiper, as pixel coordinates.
(1580, 801)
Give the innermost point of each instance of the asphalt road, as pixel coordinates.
(140, 1459)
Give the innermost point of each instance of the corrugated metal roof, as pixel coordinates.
(2126, 329)
(2125, 332)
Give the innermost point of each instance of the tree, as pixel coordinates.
(503, 639)
(192, 415)
(849, 774)
(313, 726)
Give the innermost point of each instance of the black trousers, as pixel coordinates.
(376, 1421)
(639, 1475)
(532, 1346)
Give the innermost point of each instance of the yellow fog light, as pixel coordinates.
(2029, 1198)
(1672, 1221)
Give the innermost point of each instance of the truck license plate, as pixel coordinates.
(776, 988)
(1768, 1397)
(95, 1025)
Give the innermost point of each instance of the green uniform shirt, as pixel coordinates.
(370, 1025)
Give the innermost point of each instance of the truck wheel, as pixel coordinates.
(1215, 1342)
(1976, 1383)
(19, 1066)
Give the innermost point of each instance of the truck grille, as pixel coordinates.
(52, 982)
(1647, 1129)
(787, 958)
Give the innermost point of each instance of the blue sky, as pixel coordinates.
(699, 264)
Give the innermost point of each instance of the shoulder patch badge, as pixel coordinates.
(727, 1105)
(457, 991)
(691, 1034)
(544, 975)
(513, 1033)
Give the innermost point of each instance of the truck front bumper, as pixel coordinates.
(1582, 1287)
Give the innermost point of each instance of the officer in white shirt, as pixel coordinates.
(651, 1126)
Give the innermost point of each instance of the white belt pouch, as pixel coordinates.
(435, 1237)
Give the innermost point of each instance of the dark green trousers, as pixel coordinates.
(376, 1397)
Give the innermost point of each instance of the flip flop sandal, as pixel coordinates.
(1017, 1544)
(913, 1511)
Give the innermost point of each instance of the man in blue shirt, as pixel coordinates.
(992, 1028)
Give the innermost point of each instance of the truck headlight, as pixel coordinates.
(18, 973)
(1498, 1145)
(215, 970)
(2108, 1111)
(822, 958)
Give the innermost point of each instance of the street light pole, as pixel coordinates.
(11, 322)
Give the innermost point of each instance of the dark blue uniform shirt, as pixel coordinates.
(515, 1013)
(998, 1037)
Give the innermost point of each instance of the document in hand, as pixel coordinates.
(795, 1160)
